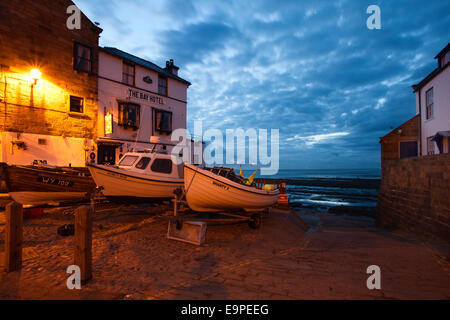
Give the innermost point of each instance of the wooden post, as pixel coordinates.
(14, 237)
(175, 205)
(83, 241)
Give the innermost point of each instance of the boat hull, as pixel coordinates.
(116, 184)
(31, 185)
(41, 198)
(207, 192)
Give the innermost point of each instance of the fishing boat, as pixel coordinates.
(145, 175)
(220, 189)
(43, 184)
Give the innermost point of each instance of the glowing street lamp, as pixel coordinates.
(35, 75)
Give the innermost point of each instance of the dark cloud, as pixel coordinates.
(307, 68)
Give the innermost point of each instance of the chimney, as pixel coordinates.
(170, 67)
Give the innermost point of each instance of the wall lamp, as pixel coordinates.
(35, 74)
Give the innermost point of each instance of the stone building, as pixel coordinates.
(48, 83)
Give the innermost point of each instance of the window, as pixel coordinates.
(128, 161)
(445, 59)
(82, 58)
(162, 165)
(162, 85)
(143, 163)
(163, 121)
(128, 73)
(430, 145)
(129, 115)
(76, 104)
(408, 149)
(429, 103)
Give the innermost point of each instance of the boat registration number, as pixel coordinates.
(55, 181)
(221, 185)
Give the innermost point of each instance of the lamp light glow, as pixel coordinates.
(35, 74)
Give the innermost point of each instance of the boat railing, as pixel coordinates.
(280, 184)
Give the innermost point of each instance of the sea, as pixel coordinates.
(324, 188)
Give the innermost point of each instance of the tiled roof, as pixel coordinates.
(144, 63)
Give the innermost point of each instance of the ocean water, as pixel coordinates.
(325, 188)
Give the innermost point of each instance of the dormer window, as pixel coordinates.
(445, 59)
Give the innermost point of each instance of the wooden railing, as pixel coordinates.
(279, 183)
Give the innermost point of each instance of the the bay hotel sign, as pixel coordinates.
(136, 94)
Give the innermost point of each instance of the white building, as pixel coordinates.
(136, 100)
(433, 106)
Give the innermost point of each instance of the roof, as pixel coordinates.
(434, 73)
(394, 131)
(443, 51)
(143, 63)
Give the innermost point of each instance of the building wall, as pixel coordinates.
(112, 90)
(390, 143)
(33, 34)
(441, 118)
(415, 196)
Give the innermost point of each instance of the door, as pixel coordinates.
(106, 154)
(408, 149)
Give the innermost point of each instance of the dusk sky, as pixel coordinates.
(309, 68)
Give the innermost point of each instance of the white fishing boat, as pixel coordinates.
(220, 189)
(139, 176)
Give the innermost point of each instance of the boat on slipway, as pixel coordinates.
(220, 189)
(139, 176)
(44, 184)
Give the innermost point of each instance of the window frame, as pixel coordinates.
(146, 161)
(129, 64)
(166, 91)
(128, 165)
(161, 159)
(429, 107)
(155, 127)
(121, 118)
(70, 104)
(75, 56)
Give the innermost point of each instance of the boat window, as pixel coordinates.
(143, 163)
(162, 165)
(128, 160)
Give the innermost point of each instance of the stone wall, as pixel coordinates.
(33, 34)
(415, 196)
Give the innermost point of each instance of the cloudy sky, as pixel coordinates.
(311, 69)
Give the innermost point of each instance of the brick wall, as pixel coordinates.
(415, 196)
(33, 34)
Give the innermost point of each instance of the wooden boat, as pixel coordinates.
(220, 189)
(139, 176)
(38, 185)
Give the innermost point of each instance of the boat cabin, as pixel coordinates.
(151, 163)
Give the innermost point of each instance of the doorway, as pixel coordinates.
(106, 154)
